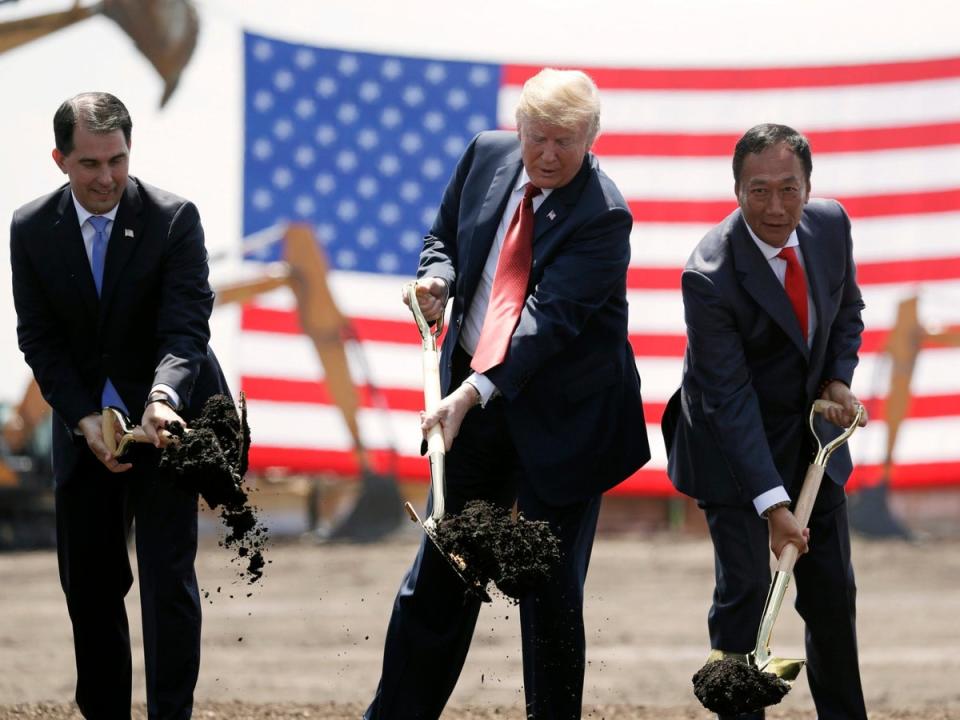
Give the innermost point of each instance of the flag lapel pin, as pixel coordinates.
(128, 232)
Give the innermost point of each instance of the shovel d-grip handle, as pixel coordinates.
(811, 482)
(431, 400)
(112, 421)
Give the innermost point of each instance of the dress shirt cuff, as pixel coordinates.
(767, 500)
(174, 397)
(484, 386)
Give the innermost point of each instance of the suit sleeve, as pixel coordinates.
(186, 301)
(717, 361)
(843, 343)
(40, 336)
(578, 281)
(438, 257)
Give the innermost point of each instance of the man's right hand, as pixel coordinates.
(784, 529)
(431, 296)
(92, 431)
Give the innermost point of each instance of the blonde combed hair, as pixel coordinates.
(567, 98)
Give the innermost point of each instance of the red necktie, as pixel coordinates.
(795, 284)
(509, 286)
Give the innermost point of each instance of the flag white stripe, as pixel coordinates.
(311, 426)
(834, 175)
(878, 239)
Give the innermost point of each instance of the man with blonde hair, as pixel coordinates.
(541, 394)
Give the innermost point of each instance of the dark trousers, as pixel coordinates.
(434, 617)
(95, 511)
(826, 596)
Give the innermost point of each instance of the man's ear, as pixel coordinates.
(736, 190)
(59, 158)
(806, 192)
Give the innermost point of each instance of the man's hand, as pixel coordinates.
(92, 429)
(431, 296)
(839, 393)
(784, 529)
(156, 415)
(450, 413)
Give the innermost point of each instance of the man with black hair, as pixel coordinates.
(772, 309)
(110, 287)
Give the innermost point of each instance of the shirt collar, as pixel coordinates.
(83, 214)
(770, 252)
(523, 179)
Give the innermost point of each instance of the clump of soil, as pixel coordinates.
(730, 687)
(518, 556)
(211, 457)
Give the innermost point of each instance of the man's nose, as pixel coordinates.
(104, 176)
(775, 204)
(549, 151)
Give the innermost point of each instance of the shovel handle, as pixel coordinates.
(129, 434)
(431, 398)
(808, 495)
(812, 480)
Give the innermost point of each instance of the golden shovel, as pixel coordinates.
(114, 421)
(762, 658)
(435, 446)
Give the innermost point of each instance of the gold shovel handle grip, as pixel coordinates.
(114, 422)
(813, 478)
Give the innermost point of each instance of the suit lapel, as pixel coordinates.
(815, 266)
(124, 237)
(759, 281)
(70, 251)
(557, 206)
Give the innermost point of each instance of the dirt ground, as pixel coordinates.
(307, 643)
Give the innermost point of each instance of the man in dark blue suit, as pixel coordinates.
(544, 407)
(110, 287)
(772, 309)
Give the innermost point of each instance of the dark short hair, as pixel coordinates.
(760, 137)
(98, 112)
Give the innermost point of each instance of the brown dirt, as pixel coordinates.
(308, 643)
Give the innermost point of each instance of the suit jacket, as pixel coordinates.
(149, 326)
(569, 379)
(738, 425)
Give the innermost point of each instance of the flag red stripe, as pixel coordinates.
(912, 476)
(868, 273)
(268, 389)
(858, 206)
(821, 141)
(760, 78)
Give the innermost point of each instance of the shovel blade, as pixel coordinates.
(455, 561)
(784, 668)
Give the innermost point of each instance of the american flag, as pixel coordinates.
(360, 146)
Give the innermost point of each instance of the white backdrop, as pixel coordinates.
(192, 147)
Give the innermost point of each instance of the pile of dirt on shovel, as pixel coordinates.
(517, 556)
(211, 457)
(730, 687)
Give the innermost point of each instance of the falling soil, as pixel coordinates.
(730, 687)
(517, 556)
(211, 457)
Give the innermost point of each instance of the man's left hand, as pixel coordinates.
(450, 413)
(839, 393)
(156, 415)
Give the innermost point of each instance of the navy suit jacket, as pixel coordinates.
(149, 326)
(569, 379)
(738, 425)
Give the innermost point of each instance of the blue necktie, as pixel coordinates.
(98, 257)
